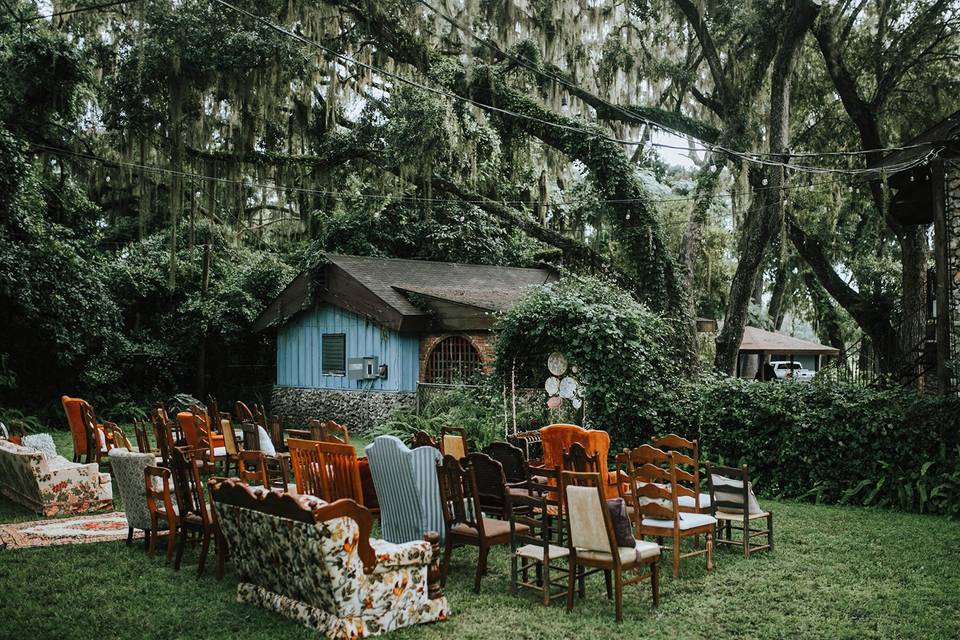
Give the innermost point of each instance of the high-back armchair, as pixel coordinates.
(556, 438)
(407, 490)
(316, 563)
(127, 470)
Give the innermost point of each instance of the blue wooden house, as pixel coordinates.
(356, 335)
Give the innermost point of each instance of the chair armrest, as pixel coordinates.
(392, 556)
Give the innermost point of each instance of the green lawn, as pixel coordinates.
(838, 572)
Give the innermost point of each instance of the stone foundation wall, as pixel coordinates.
(359, 411)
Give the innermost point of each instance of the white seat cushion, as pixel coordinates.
(628, 555)
(266, 444)
(687, 521)
(536, 552)
(219, 451)
(687, 501)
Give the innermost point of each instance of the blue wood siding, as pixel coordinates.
(298, 351)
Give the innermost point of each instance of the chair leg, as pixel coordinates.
(146, 538)
(515, 563)
(582, 581)
(447, 552)
(545, 583)
(481, 568)
(770, 530)
(172, 527)
(571, 579)
(204, 547)
(655, 581)
(746, 537)
(676, 555)
(710, 552)
(618, 587)
(607, 579)
(181, 543)
(151, 547)
(129, 535)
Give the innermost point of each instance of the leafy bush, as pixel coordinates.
(19, 423)
(624, 354)
(478, 410)
(831, 443)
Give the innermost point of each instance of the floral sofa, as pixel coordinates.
(51, 485)
(315, 562)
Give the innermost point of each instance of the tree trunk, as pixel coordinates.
(767, 207)
(778, 294)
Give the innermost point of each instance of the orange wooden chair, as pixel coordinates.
(557, 438)
(74, 409)
(328, 470)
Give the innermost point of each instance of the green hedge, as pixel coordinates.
(830, 443)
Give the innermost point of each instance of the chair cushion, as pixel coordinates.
(628, 555)
(687, 501)
(491, 527)
(687, 521)
(266, 444)
(726, 515)
(219, 451)
(535, 551)
(41, 442)
(622, 527)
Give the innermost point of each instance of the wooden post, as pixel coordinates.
(433, 571)
(941, 245)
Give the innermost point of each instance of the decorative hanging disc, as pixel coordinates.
(557, 363)
(552, 385)
(568, 388)
(577, 403)
(554, 401)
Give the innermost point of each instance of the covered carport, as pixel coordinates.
(760, 346)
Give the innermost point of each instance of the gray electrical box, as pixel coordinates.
(366, 368)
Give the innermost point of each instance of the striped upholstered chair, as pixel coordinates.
(407, 489)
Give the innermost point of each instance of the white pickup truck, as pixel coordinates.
(786, 370)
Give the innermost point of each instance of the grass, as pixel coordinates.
(838, 572)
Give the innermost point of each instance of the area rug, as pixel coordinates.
(104, 527)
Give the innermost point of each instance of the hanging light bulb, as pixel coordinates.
(764, 182)
(811, 186)
(911, 178)
(626, 217)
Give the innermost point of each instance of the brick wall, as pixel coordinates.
(483, 342)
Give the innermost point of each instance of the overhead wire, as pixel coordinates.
(748, 156)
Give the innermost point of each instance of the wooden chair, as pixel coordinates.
(327, 470)
(544, 482)
(241, 412)
(163, 431)
(463, 522)
(251, 436)
(71, 407)
(492, 489)
(328, 431)
(577, 459)
(453, 441)
(276, 434)
(688, 471)
(556, 438)
(422, 439)
(143, 439)
(252, 468)
(732, 501)
(193, 511)
(533, 549)
(199, 435)
(116, 437)
(230, 444)
(594, 544)
(511, 459)
(653, 488)
(160, 504)
(98, 444)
